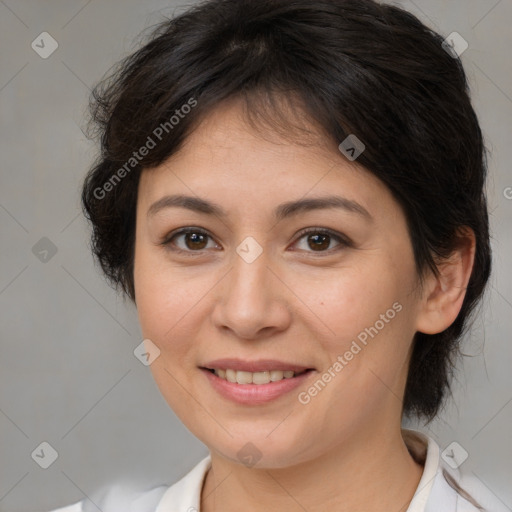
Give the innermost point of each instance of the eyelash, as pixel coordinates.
(343, 241)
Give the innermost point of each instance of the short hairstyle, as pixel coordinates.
(352, 67)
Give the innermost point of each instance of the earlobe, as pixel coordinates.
(443, 295)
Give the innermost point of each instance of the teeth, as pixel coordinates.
(244, 377)
(241, 377)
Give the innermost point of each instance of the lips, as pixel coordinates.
(255, 394)
(269, 379)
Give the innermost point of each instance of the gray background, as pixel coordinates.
(68, 375)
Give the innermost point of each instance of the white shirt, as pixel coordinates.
(440, 489)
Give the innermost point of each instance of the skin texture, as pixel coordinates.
(343, 450)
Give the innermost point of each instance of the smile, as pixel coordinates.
(254, 388)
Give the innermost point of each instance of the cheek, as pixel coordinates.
(365, 312)
(159, 296)
(170, 305)
(165, 308)
(348, 299)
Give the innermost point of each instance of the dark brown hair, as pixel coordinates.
(352, 66)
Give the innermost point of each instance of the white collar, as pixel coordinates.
(185, 495)
(425, 451)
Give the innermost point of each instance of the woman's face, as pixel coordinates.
(255, 289)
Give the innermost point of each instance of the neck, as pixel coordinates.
(364, 473)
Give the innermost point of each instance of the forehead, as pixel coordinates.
(226, 158)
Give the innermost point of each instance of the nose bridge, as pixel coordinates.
(251, 298)
(250, 275)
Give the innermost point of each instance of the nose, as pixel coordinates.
(252, 301)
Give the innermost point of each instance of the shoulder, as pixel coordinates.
(182, 496)
(472, 494)
(465, 491)
(447, 487)
(116, 498)
(76, 507)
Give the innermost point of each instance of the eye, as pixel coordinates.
(196, 240)
(320, 238)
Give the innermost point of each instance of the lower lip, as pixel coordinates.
(254, 394)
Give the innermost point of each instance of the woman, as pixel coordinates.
(293, 196)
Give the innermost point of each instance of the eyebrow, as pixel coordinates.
(281, 212)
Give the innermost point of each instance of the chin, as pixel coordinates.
(262, 451)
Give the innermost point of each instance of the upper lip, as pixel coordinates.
(261, 365)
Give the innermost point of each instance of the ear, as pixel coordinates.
(443, 296)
